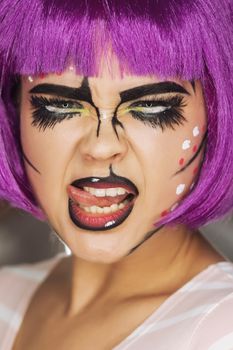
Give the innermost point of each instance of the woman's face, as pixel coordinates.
(108, 156)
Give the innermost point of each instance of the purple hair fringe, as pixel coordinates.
(189, 39)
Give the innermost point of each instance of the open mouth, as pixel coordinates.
(100, 204)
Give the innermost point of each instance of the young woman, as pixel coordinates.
(116, 128)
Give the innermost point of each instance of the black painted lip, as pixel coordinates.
(109, 181)
(113, 179)
(79, 224)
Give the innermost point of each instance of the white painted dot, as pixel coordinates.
(71, 68)
(186, 144)
(174, 206)
(30, 78)
(196, 131)
(180, 189)
(193, 184)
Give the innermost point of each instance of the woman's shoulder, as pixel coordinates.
(17, 285)
(214, 329)
(189, 314)
(18, 282)
(14, 278)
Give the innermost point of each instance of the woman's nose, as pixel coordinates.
(106, 142)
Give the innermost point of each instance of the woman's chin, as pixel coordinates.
(101, 247)
(97, 255)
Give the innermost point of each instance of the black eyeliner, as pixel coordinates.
(43, 118)
(171, 116)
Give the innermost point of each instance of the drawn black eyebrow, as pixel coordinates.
(192, 82)
(82, 93)
(151, 89)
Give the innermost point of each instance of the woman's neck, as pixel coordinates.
(159, 267)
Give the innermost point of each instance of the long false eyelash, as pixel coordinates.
(42, 117)
(168, 118)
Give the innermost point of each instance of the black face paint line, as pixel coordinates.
(147, 236)
(85, 86)
(116, 122)
(193, 85)
(29, 163)
(202, 144)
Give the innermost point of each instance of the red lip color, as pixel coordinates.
(78, 198)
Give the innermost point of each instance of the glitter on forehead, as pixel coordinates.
(30, 79)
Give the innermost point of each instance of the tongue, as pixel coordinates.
(87, 199)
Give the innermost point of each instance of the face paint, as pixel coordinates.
(193, 158)
(147, 236)
(194, 148)
(30, 79)
(111, 198)
(195, 170)
(186, 145)
(42, 75)
(180, 189)
(192, 186)
(196, 131)
(162, 113)
(151, 120)
(174, 207)
(30, 164)
(181, 161)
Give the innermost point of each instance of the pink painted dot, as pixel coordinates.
(164, 213)
(203, 128)
(181, 161)
(195, 149)
(195, 170)
(42, 76)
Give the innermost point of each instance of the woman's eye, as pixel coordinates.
(150, 109)
(65, 107)
(159, 113)
(47, 112)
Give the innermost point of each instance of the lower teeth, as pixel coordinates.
(106, 210)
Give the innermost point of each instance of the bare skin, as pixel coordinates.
(113, 299)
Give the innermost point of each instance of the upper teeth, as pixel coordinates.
(102, 192)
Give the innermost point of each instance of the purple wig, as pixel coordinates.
(188, 39)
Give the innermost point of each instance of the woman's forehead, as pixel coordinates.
(106, 83)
